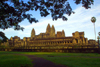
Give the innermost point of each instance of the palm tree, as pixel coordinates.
(99, 38)
(93, 20)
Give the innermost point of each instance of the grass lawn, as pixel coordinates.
(10, 60)
(75, 61)
(69, 59)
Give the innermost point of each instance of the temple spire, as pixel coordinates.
(32, 33)
(63, 33)
(52, 31)
(48, 29)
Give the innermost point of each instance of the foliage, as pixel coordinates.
(0, 41)
(3, 47)
(3, 36)
(12, 12)
(93, 19)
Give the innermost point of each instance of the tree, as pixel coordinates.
(12, 15)
(0, 41)
(93, 20)
(4, 38)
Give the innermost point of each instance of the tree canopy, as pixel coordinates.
(4, 38)
(12, 15)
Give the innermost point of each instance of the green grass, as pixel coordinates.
(10, 60)
(75, 61)
(52, 53)
(68, 59)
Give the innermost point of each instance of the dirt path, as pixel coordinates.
(40, 62)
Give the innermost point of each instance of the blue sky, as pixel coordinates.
(80, 21)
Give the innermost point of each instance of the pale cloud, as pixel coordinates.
(80, 21)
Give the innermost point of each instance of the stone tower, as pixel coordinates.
(76, 34)
(63, 33)
(52, 31)
(32, 33)
(48, 29)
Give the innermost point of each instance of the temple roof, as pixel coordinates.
(91, 40)
(54, 38)
(16, 37)
(79, 33)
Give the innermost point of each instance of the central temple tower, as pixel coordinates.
(52, 34)
(48, 29)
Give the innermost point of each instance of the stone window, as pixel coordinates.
(70, 41)
(58, 42)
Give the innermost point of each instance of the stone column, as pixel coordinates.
(74, 41)
(78, 41)
(25, 43)
(86, 41)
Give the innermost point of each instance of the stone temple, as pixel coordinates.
(52, 41)
(49, 38)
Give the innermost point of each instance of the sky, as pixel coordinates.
(80, 21)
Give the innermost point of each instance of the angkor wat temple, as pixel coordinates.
(50, 39)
